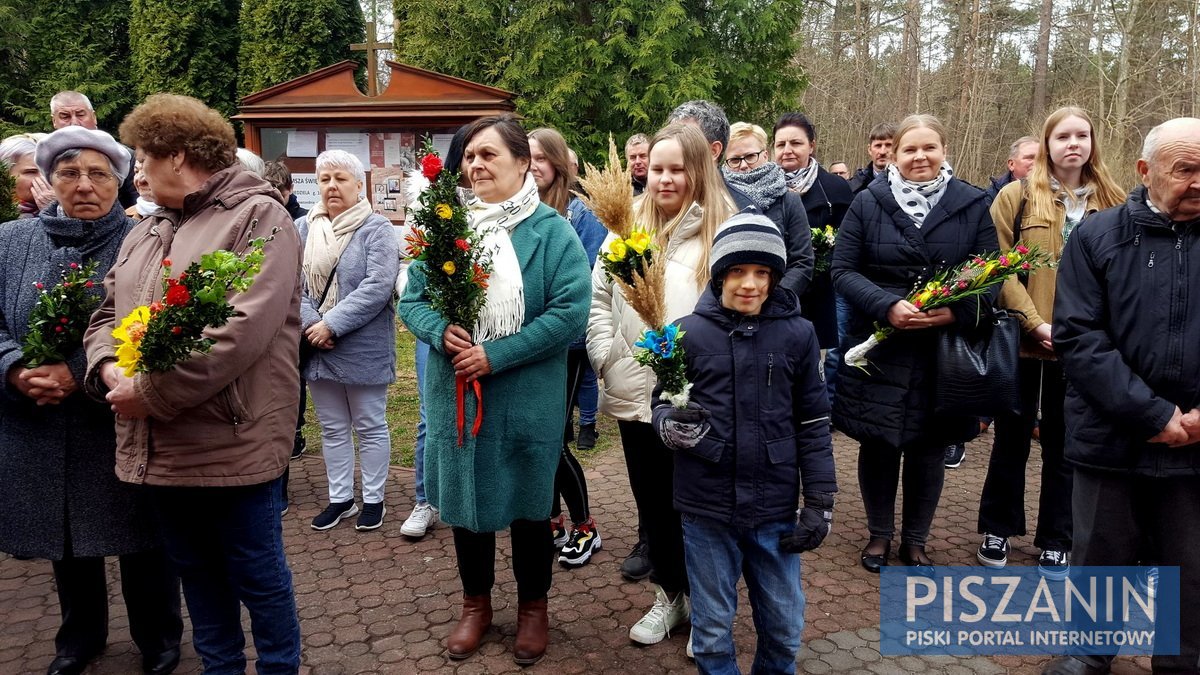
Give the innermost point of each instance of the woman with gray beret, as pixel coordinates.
(59, 493)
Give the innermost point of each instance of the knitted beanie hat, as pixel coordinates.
(748, 239)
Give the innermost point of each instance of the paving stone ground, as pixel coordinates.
(375, 602)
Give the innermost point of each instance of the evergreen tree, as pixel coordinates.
(8, 195)
(283, 39)
(185, 48)
(592, 67)
(48, 47)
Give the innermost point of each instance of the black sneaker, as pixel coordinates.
(1053, 564)
(993, 552)
(333, 514)
(637, 566)
(371, 516)
(583, 542)
(587, 437)
(298, 446)
(954, 455)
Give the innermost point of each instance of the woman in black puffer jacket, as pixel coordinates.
(897, 233)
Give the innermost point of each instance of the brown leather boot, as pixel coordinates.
(533, 632)
(476, 619)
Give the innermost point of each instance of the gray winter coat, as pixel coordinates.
(364, 319)
(59, 493)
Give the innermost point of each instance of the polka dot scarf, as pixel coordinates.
(916, 199)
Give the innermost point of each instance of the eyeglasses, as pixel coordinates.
(97, 177)
(749, 160)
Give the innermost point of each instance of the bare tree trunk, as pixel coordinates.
(1042, 65)
(912, 55)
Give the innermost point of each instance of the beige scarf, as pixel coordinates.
(326, 241)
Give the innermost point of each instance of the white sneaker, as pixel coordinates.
(688, 650)
(423, 517)
(661, 618)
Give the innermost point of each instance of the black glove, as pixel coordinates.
(681, 429)
(813, 522)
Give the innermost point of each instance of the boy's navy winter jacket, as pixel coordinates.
(1126, 329)
(758, 377)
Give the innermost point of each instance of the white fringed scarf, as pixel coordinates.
(324, 245)
(503, 311)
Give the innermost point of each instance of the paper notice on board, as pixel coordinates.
(356, 144)
(304, 186)
(388, 193)
(441, 143)
(302, 144)
(391, 150)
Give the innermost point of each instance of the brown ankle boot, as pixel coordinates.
(476, 619)
(533, 632)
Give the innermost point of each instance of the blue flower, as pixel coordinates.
(649, 340)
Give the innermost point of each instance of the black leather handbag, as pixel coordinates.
(977, 367)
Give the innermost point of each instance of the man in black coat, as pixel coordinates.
(637, 158)
(880, 150)
(1020, 162)
(1126, 317)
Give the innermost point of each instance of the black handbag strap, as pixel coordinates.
(328, 284)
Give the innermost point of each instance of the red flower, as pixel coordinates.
(88, 284)
(38, 285)
(431, 166)
(74, 266)
(58, 329)
(166, 262)
(176, 330)
(917, 304)
(63, 319)
(1022, 249)
(155, 307)
(66, 284)
(1026, 266)
(462, 244)
(178, 295)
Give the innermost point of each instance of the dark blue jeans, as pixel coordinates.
(227, 543)
(833, 357)
(717, 555)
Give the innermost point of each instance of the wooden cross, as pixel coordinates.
(370, 47)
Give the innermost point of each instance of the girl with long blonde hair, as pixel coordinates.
(684, 202)
(1069, 181)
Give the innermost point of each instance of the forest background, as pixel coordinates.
(990, 69)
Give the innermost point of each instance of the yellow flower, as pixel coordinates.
(449, 267)
(638, 241)
(444, 212)
(617, 250)
(133, 326)
(128, 358)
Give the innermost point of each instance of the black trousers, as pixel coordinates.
(1120, 519)
(651, 469)
(879, 478)
(150, 587)
(532, 559)
(569, 482)
(1002, 503)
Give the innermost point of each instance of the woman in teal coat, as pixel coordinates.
(503, 477)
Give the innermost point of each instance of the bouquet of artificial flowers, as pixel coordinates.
(458, 264)
(822, 244)
(971, 279)
(630, 262)
(154, 338)
(60, 317)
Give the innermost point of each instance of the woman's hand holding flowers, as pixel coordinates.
(319, 335)
(905, 316)
(47, 384)
(472, 363)
(456, 339)
(121, 396)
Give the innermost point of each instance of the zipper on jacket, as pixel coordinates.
(770, 367)
(1137, 238)
(1150, 262)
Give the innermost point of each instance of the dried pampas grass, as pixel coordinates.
(609, 193)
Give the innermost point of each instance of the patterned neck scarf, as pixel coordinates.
(801, 180)
(918, 198)
(763, 184)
